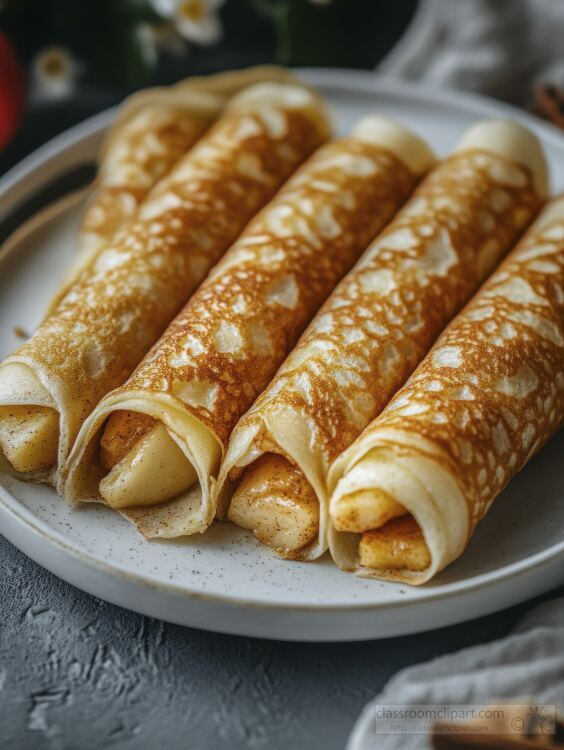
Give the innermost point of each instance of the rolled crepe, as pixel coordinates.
(373, 331)
(154, 129)
(484, 400)
(133, 160)
(156, 458)
(123, 301)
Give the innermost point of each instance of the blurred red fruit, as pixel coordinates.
(12, 91)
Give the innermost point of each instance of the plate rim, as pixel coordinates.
(10, 505)
(339, 78)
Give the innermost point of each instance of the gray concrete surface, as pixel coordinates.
(76, 672)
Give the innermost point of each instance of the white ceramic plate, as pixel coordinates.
(224, 580)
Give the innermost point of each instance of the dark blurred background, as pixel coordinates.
(64, 60)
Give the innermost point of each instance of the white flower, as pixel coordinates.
(196, 20)
(54, 72)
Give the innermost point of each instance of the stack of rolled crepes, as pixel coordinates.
(125, 297)
(153, 130)
(413, 487)
(373, 331)
(152, 448)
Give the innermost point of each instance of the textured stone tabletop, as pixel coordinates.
(76, 672)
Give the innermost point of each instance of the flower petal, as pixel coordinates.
(54, 71)
(165, 8)
(206, 30)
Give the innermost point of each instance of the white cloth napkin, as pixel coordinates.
(502, 48)
(527, 665)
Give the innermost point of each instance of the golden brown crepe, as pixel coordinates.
(156, 458)
(153, 130)
(123, 301)
(374, 329)
(135, 159)
(484, 400)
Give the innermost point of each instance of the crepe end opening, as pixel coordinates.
(122, 430)
(402, 142)
(389, 537)
(364, 510)
(29, 437)
(144, 465)
(512, 141)
(277, 503)
(397, 545)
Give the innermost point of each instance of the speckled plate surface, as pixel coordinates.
(224, 580)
